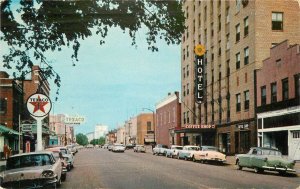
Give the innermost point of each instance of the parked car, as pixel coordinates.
(139, 148)
(72, 148)
(207, 154)
(173, 151)
(105, 146)
(187, 152)
(118, 148)
(109, 147)
(89, 146)
(32, 170)
(130, 146)
(68, 156)
(159, 149)
(261, 159)
(65, 166)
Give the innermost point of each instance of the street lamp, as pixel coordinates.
(153, 121)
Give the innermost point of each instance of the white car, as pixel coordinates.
(118, 148)
(68, 156)
(159, 149)
(139, 148)
(187, 152)
(173, 151)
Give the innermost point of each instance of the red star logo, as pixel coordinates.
(38, 105)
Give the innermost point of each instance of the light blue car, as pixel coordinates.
(186, 152)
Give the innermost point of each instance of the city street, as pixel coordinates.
(100, 168)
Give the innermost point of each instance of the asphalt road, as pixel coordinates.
(101, 169)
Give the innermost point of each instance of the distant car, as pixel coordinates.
(130, 146)
(118, 148)
(159, 149)
(105, 146)
(173, 151)
(72, 148)
(68, 156)
(32, 170)
(139, 148)
(261, 159)
(187, 151)
(89, 146)
(109, 147)
(208, 154)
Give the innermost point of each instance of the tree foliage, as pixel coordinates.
(82, 139)
(51, 25)
(99, 141)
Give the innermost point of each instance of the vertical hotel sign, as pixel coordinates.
(199, 92)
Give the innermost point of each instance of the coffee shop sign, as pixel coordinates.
(200, 126)
(74, 120)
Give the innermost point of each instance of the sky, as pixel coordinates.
(112, 82)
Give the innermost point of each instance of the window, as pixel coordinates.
(285, 89)
(277, 21)
(246, 103)
(246, 77)
(187, 89)
(246, 54)
(148, 125)
(212, 29)
(238, 102)
(263, 95)
(297, 85)
(238, 60)
(246, 26)
(187, 12)
(184, 118)
(273, 92)
(3, 106)
(183, 54)
(219, 23)
(227, 15)
(169, 116)
(238, 5)
(183, 72)
(227, 42)
(237, 31)
(174, 114)
(205, 13)
(296, 134)
(187, 51)
(187, 117)
(187, 70)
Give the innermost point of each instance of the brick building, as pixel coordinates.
(168, 120)
(237, 36)
(11, 110)
(278, 100)
(64, 133)
(145, 128)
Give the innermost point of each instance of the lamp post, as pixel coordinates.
(153, 121)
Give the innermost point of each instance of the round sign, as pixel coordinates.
(39, 105)
(199, 50)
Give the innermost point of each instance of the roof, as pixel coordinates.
(6, 130)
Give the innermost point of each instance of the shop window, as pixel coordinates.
(247, 100)
(3, 106)
(296, 134)
(277, 21)
(285, 89)
(148, 125)
(263, 95)
(237, 60)
(246, 27)
(238, 102)
(273, 92)
(237, 33)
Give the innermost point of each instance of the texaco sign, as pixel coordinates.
(39, 105)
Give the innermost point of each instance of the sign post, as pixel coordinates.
(39, 106)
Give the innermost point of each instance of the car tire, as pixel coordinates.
(282, 173)
(178, 157)
(63, 177)
(58, 183)
(194, 160)
(258, 170)
(239, 167)
(185, 158)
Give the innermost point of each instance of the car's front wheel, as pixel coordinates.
(194, 160)
(258, 170)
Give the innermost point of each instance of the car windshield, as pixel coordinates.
(164, 146)
(119, 145)
(64, 151)
(211, 148)
(178, 147)
(193, 148)
(28, 161)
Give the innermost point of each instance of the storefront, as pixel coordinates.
(199, 135)
(9, 137)
(280, 129)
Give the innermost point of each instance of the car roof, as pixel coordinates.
(32, 153)
(191, 146)
(264, 148)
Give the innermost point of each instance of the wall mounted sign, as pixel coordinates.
(199, 126)
(74, 120)
(199, 88)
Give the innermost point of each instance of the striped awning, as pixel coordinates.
(6, 130)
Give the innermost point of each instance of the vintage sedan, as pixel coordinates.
(208, 154)
(173, 151)
(139, 148)
(187, 152)
(159, 149)
(261, 159)
(32, 170)
(68, 156)
(65, 166)
(118, 148)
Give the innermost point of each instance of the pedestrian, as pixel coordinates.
(6, 151)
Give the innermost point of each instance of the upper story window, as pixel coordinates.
(227, 42)
(148, 125)
(238, 32)
(187, 70)
(187, 89)
(263, 95)
(277, 21)
(238, 102)
(183, 54)
(187, 12)
(205, 13)
(297, 85)
(273, 92)
(247, 100)
(246, 26)
(174, 114)
(285, 89)
(183, 90)
(219, 22)
(187, 117)
(187, 51)
(227, 15)
(246, 54)
(3, 106)
(183, 70)
(238, 5)
(238, 60)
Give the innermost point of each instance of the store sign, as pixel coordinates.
(199, 88)
(200, 126)
(74, 120)
(27, 127)
(38, 105)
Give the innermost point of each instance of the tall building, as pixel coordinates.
(145, 128)
(278, 100)
(168, 120)
(237, 36)
(100, 131)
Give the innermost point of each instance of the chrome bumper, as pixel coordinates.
(278, 169)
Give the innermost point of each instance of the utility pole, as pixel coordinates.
(66, 135)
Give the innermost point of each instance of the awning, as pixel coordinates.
(6, 130)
